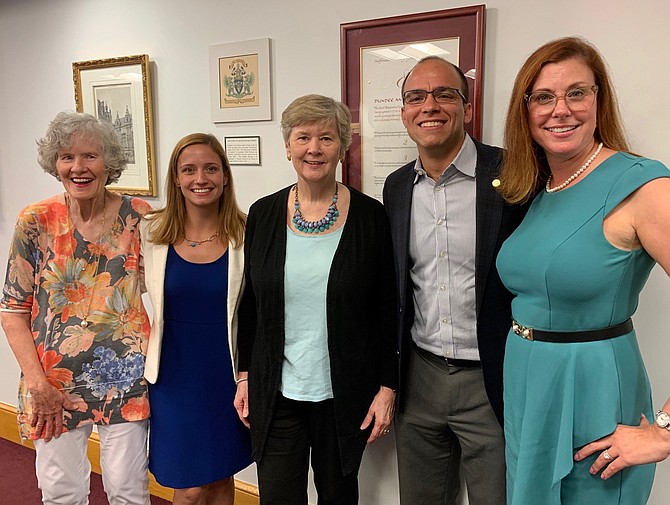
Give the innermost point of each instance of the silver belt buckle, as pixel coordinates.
(522, 331)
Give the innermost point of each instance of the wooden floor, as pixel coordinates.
(245, 494)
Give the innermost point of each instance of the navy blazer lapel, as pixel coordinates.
(400, 226)
(489, 216)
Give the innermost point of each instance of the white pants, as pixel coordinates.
(63, 470)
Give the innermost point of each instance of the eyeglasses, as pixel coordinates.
(577, 100)
(440, 95)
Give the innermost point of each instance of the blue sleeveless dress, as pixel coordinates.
(195, 436)
(560, 396)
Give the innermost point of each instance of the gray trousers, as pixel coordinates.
(444, 421)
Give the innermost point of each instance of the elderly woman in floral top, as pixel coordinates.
(74, 319)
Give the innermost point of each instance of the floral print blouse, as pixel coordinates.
(62, 280)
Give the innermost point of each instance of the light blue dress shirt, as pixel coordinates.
(442, 254)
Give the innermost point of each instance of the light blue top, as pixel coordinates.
(442, 251)
(306, 367)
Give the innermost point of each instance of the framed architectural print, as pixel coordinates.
(118, 90)
(376, 55)
(239, 74)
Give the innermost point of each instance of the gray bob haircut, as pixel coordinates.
(318, 109)
(65, 126)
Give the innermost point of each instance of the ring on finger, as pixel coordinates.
(607, 455)
(386, 431)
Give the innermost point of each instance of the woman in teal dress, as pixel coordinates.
(579, 423)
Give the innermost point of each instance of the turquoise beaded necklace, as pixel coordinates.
(315, 226)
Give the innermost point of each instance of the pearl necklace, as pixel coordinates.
(84, 322)
(193, 243)
(575, 175)
(315, 226)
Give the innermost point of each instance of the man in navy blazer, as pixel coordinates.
(448, 223)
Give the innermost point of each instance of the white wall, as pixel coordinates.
(39, 40)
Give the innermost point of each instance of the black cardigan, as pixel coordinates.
(360, 308)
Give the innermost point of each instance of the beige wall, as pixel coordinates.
(39, 40)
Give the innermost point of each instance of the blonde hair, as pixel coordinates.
(168, 222)
(525, 169)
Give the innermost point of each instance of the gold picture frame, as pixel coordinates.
(118, 90)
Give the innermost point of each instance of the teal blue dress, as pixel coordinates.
(558, 397)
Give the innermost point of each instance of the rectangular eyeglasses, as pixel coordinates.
(440, 95)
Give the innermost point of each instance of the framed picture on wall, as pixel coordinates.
(239, 74)
(118, 90)
(376, 55)
(244, 150)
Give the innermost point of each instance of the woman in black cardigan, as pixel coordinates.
(318, 360)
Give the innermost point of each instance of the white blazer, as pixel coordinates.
(154, 257)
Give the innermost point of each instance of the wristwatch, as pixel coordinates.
(663, 420)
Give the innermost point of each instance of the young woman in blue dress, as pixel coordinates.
(193, 259)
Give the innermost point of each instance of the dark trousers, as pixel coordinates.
(298, 427)
(445, 421)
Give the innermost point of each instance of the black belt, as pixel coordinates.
(573, 336)
(462, 363)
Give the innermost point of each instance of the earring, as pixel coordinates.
(288, 156)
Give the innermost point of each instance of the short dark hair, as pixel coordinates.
(464, 81)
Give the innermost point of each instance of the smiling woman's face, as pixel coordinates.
(200, 176)
(81, 168)
(562, 133)
(314, 149)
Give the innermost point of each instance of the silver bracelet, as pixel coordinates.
(242, 379)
